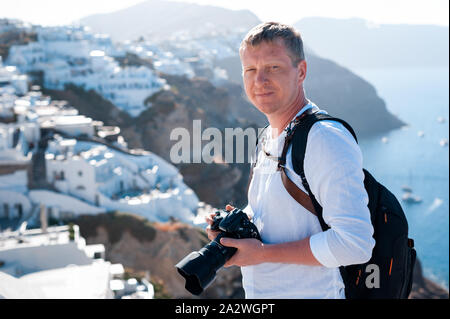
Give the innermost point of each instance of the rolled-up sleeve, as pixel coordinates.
(333, 168)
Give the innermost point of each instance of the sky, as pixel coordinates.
(57, 12)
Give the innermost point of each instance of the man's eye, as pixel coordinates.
(274, 67)
(250, 70)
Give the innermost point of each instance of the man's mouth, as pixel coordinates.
(266, 94)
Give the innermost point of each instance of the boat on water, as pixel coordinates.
(406, 189)
(441, 119)
(410, 198)
(443, 142)
(420, 134)
(384, 140)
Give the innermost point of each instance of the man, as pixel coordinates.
(296, 259)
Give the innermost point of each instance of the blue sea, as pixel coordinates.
(418, 96)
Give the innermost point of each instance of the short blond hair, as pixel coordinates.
(271, 31)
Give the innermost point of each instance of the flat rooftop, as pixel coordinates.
(34, 237)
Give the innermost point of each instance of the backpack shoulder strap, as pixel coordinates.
(298, 138)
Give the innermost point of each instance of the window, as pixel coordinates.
(19, 210)
(97, 255)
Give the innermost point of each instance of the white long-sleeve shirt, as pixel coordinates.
(333, 168)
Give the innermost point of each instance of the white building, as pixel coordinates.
(56, 263)
(113, 180)
(14, 147)
(72, 176)
(10, 77)
(60, 206)
(13, 204)
(72, 125)
(175, 67)
(74, 55)
(129, 87)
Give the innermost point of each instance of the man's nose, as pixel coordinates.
(261, 77)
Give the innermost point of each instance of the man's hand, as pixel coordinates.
(250, 251)
(212, 234)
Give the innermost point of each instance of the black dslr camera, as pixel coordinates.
(199, 267)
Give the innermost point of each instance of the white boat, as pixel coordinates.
(384, 140)
(443, 142)
(410, 198)
(406, 189)
(441, 119)
(420, 133)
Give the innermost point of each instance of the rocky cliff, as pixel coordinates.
(423, 288)
(149, 247)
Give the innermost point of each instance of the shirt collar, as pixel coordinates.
(281, 137)
(308, 106)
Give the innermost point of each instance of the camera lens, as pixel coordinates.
(199, 267)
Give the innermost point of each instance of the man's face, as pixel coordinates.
(271, 81)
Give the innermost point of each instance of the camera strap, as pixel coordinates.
(255, 156)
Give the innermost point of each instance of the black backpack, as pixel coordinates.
(393, 256)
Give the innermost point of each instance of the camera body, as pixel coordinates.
(234, 224)
(199, 267)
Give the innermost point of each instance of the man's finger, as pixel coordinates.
(229, 208)
(211, 234)
(230, 242)
(210, 219)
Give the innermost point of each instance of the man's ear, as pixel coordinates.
(302, 67)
